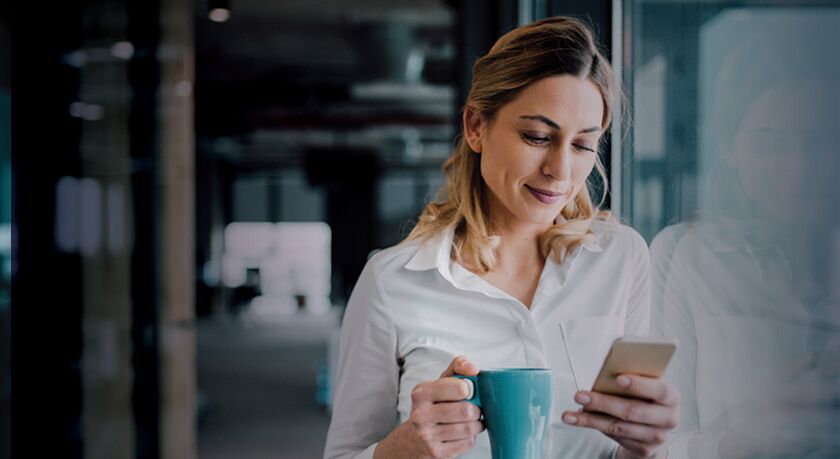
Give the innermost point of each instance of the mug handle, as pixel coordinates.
(473, 381)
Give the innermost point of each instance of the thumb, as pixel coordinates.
(460, 365)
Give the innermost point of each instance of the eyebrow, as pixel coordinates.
(554, 125)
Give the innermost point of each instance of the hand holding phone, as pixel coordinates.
(639, 416)
(644, 356)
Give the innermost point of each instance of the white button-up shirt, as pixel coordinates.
(413, 310)
(743, 330)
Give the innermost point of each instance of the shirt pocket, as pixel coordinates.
(588, 341)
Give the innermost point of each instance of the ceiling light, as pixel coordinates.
(219, 14)
(122, 50)
(89, 112)
(219, 10)
(77, 58)
(183, 88)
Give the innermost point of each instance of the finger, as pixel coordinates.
(460, 365)
(617, 428)
(441, 390)
(455, 448)
(458, 431)
(637, 447)
(627, 409)
(654, 389)
(446, 412)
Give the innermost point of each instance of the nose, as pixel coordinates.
(557, 163)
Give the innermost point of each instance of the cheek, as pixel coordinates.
(581, 169)
(493, 172)
(487, 167)
(501, 166)
(762, 175)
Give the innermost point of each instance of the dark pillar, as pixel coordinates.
(350, 178)
(144, 78)
(47, 284)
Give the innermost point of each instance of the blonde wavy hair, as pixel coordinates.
(551, 47)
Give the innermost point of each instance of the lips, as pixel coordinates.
(545, 196)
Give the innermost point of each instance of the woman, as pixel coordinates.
(509, 268)
(749, 285)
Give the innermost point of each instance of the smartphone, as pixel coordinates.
(645, 356)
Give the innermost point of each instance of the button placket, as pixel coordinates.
(534, 348)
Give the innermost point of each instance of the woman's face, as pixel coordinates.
(785, 153)
(539, 149)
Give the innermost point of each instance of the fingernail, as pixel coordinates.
(470, 389)
(622, 381)
(570, 419)
(583, 399)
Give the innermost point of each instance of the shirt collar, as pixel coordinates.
(435, 252)
(593, 243)
(726, 236)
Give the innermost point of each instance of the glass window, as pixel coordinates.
(693, 68)
(730, 170)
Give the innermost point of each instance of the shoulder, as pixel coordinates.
(617, 237)
(399, 271)
(665, 242)
(382, 271)
(696, 236)
(392, 259)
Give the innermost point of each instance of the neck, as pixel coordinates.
(519, 246)
(520, 263)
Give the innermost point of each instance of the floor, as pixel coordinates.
(258, 384)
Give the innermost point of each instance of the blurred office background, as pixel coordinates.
(190, 188)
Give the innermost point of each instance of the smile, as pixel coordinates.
(545, 196)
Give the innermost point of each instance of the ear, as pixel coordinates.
(472, 128)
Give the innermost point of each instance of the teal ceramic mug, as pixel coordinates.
(515, 404)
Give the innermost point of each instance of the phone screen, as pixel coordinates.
(634, 355)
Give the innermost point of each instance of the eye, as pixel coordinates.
(583, 147)
(536, 139)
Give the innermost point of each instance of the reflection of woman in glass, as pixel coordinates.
(747, 288)
(511, 267)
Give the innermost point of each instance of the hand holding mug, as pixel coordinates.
(516, 405)
(639, 422)
(441, 424)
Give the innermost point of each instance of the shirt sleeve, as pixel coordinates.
(637, 320)
(677, 321)
(364, 406)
